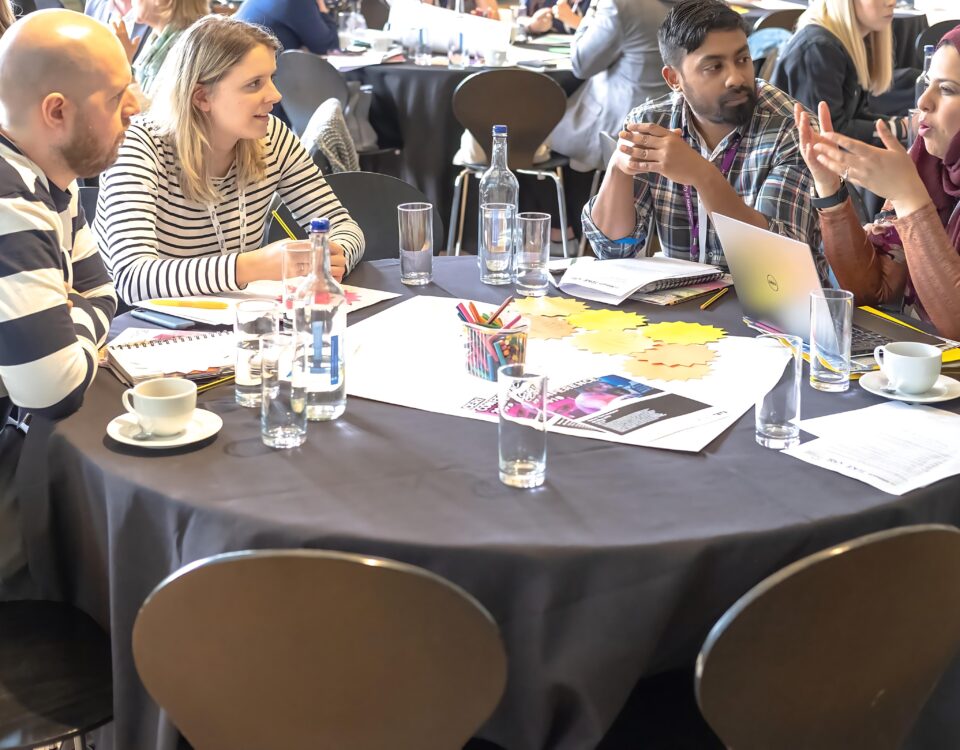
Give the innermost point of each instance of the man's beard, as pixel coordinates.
(84, 154)
(724, 113)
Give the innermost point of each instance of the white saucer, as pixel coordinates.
(945, 389)
(202, 425)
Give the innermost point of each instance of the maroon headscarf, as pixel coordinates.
(942, 176)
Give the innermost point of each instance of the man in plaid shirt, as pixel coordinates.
(720, 142)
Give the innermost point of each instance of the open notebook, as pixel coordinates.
(139, 354)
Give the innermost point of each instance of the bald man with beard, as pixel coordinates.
(65, 102)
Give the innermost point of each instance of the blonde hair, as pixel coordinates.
(202, 56)
(872, 55)
(179, 14)
(6, 16)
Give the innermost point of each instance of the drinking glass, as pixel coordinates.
(533, 252)
(519, 27)
(497, 223)
(296, 262)
(831, 328)
(416, 243)
(423, 53)
(255, 318)
(522, 401)
(778, 411)
(283, 407)
(456, 51)
(913, 126)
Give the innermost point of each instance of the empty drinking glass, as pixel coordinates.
(415, 221)
(533, 252)
(831, 328)
(255, 318)
(778, 411)
(295, 263)
(522, 401)
(497, 223)
(283, 407)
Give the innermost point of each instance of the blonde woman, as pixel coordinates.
(167, 20)
(6, 16)
(842, 52)
(183, 210)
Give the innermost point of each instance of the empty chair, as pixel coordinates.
(932, 35)
(306, 648)
(779, 19)
(372, 201)
(55, 675)
(530, 104)
(375, 13)
(306, 81)
(838, 651)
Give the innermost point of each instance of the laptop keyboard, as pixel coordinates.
(864, 342)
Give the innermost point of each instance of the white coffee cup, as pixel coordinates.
(162, 406)
(908, 366)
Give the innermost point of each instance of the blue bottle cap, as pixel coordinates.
(320, 225)
(929, 49)
(499, 129)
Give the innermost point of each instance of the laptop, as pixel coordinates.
(774, 276)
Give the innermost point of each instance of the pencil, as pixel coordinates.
(214, 383)
(283, 225)
(202, 304)
(714, 298)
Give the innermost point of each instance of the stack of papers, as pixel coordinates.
(613, 281)
(894, 447)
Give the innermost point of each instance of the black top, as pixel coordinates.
(815, 67)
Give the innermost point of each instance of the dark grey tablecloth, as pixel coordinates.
(614, 570)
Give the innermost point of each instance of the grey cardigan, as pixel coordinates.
(615, 50)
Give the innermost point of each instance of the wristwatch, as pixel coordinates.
(831, 200)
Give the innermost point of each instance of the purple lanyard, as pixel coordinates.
(725, 165)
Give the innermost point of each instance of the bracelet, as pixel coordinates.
(831, 200)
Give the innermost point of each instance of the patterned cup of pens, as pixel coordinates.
(488, 349)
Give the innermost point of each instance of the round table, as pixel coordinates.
(614, 570)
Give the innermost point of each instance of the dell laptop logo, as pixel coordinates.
(772, 283)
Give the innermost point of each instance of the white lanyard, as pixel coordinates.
(215, 220)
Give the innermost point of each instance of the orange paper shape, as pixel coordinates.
(548, 306)
(612, 342)
(606, 320)
(678, 354)
(680, 332)
(543, 327)
(650, 371)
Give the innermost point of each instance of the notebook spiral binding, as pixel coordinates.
(173, 340)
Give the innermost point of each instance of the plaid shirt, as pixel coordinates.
(767, 171)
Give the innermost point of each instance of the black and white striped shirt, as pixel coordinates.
(48, 351)
(156, 243)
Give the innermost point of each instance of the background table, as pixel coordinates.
(614, 570)
(413, 109)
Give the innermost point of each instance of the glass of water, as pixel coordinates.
(255, 318)
(415, 221)
(831, 328)
(497, 225)
(533, 252)
(295, 263)
(283, 406)
(778, 411)
(522, 401)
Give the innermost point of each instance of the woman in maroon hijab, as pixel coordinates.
(912, 252)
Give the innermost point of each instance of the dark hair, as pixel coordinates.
(688, 23)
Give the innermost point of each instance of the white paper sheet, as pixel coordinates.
(256, 290)
(413, 355)
(894, 447)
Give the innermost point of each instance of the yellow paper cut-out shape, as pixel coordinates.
(681, 332)
(548, 306)
(612, 342)
(543, 327)
(650, 371)
(606, 320)
(678, 354)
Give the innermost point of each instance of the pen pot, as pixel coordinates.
(487, 349)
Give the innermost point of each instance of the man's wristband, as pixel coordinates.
(831, 200)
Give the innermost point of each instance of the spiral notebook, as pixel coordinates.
(139, 354)
(613, 281)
